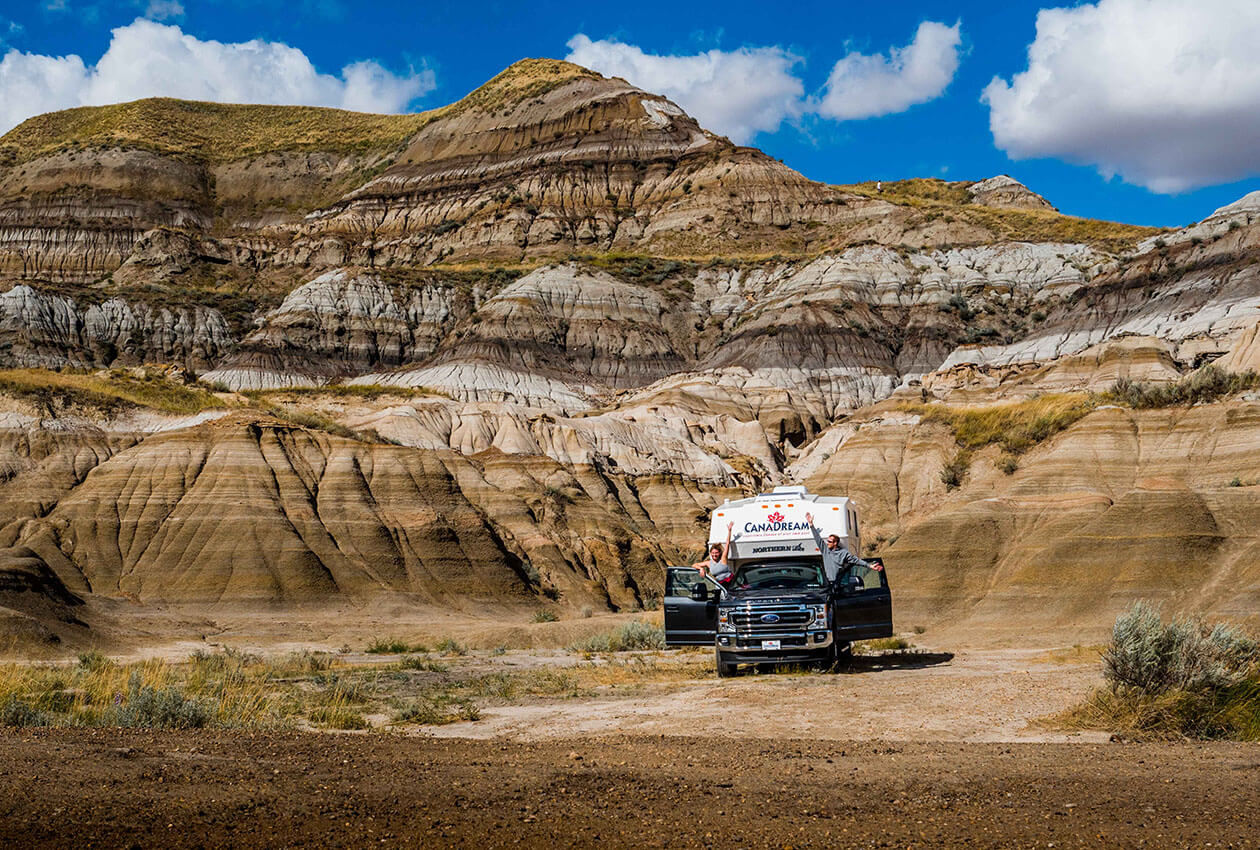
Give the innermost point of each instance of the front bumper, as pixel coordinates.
(809, 644)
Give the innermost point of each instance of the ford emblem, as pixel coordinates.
(769, 618)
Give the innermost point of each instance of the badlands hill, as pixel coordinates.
(508, 353)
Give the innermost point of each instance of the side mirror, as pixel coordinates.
(699, 593)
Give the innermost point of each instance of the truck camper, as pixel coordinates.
(780, 607)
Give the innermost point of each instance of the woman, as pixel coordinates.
(718, 566)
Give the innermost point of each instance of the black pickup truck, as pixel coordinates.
(777, 612)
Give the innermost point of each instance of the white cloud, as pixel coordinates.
(1164, 93)
(862, 86)
(147, 59)
(737, 93)
(740, 93)
(164, 10)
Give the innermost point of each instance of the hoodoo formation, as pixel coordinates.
(288, 359)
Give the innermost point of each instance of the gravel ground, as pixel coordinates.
(94, 788)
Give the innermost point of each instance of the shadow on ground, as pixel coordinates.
(898, 660)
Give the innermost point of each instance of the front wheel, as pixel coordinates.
(724, 670)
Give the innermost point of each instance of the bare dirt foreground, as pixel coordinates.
(79, 788)
(907, 751)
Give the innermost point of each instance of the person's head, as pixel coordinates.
(833, 541)
(715, 551)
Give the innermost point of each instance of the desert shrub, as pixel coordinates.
(1185, 654)
(450, 646)
(635, 635)
(1008, 463)
(545, 615)
(388, 646)
(955, 469)
(93, 660)
(1184, 678)
(147, 707)
(865, 647)
(17, 712)
(437, 709)
(337, 717)
(415, 662)
(1207, 384)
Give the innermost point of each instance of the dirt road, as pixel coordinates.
(82, 788)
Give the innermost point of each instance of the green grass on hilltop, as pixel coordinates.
(938, 199)
(221, 132)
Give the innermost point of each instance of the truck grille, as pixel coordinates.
(752, 620)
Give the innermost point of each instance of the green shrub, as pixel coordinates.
(545, 615)
(415, 662)
(1185, 654)
(389, 646)
(147, 707)
(16, 712)
(955, 469)
(635, 635)
(338, 717)
(450, 646)
(1205, 385)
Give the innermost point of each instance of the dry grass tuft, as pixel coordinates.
(938, 199)
(108, 392)
(1016, 426)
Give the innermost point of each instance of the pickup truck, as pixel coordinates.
(777, 611)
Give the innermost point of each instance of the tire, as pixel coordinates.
(724, 670)
(843, 653)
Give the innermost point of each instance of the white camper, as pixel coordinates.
(772, 525)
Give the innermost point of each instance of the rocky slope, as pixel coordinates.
(510, 352)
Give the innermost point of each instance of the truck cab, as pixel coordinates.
(780, 607)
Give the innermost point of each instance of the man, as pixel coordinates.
(718, 567)
(837, 559)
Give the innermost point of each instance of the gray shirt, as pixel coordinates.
(836, 561)
(719, 571)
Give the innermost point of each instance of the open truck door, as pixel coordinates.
(691, 605)
(863, 604)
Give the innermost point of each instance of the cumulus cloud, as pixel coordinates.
(737, 93)
(1163, 93)
(862, 86)
(740, 93)
(148, 59)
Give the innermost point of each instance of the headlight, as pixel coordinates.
(724, 622)
(820, 615)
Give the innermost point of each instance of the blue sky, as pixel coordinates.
(1175, 162)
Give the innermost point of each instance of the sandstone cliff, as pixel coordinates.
(512, 350)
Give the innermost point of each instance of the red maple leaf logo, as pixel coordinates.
(775, 517)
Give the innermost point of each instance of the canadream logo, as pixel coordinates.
(774, 522)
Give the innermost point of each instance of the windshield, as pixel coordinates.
(794, 575)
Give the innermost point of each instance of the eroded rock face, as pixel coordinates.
(44, 330)
(1124, 505)
(1005, 191)
(248, 512)
(340, 325)
(75, 216)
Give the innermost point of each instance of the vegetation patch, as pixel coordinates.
(108, 391)
(637, 635)
(1184, 678)
(1016, 426)
(1204, 385)
(952, 201)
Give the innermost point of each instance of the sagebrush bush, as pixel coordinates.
(17, 712)
(635, 635)
(1185, 654)
(147, 707)
(1207, 384)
